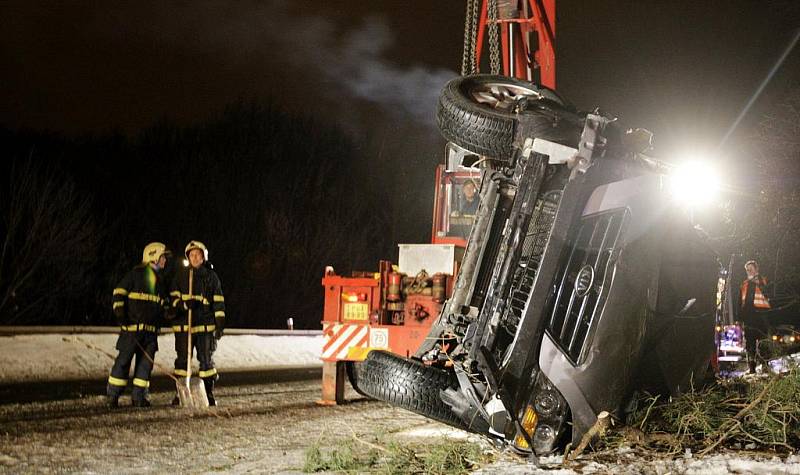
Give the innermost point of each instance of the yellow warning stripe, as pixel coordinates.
(137, 327)
(195, 329)
(145, 297)
(207, 373)
(199, 298)
(142, 383)
(117, 381)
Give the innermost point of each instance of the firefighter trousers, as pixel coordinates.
(204, 344)
(133, 345)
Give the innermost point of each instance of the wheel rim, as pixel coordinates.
(502, 96)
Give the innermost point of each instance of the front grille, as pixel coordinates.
(581, 281)
(532, 249)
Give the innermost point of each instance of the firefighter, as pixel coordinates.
(753, 304)
(139, 302)
(207, 303)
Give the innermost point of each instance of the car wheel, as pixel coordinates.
(408, 384)
(480, 113)
(353, 368)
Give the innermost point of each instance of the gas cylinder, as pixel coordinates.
(393, 286)
(439, 284)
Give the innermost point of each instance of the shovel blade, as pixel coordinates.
(184, 393)
(198, 392)
(194, 395)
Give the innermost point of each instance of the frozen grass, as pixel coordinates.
(752, 413)
(442, 457)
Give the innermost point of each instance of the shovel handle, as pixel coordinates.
(189, 332)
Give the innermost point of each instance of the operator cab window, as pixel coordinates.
(463, 207)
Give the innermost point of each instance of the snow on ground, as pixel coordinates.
(63, 357)
(721, 464)
(626, 460)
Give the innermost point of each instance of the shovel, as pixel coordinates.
(191, 393)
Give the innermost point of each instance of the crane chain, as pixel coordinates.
(468, 65)
(494, 38)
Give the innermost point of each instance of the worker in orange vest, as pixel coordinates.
(753, 304)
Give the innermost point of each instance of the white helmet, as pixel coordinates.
(153, 252)
(196, 245)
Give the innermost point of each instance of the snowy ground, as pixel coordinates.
(65, 357)
(265, 427)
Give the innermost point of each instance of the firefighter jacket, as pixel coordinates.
(208, 313)
(139, 300)
(752, 289)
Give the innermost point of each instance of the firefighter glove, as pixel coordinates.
(220, 328)
(169, 314)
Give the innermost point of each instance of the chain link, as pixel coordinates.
(468, 65)
(494, 38)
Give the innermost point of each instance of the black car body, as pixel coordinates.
(582, 283)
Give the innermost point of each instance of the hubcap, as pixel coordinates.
(502, 96)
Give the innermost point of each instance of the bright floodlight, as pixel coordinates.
(694, 183)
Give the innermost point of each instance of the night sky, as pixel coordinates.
(683, 69)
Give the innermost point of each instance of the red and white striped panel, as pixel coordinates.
(340, 337)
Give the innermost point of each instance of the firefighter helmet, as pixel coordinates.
(196, 245)
(153, 252)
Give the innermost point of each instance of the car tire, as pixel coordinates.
(480, 113)
(353, 368)
(408, 384)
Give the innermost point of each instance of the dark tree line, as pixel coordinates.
(275, 197)
(764, 220)
(49, 244)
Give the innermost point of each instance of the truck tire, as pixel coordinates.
(408, 384)
(480, 113)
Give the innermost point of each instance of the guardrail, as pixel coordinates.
(33, 330)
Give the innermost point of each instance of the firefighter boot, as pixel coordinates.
(209, 383)
(112, 401)
(112, 395)
(139, 397)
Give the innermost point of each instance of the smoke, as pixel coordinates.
(413, 90)
(346, 59)
(355, 62)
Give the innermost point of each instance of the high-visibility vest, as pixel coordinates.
(759, 300)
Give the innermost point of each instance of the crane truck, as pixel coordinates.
(393, 308)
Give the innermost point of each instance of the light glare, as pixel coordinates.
(694, 183)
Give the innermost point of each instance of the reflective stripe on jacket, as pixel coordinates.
(206, 290)
(139, 299)
(759, 300)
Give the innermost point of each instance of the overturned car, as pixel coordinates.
(582, 282)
